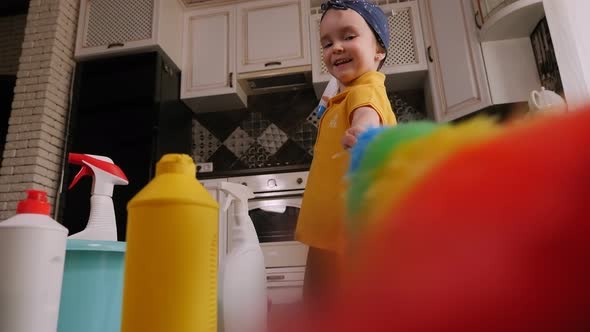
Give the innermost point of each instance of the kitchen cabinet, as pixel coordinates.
(508, 19)
(568, 23)
(457, 81)
(405, 66)
(110, 27)
(285, 285)
(272, 34)
(209, 60)
(468, 71)
(128, 109)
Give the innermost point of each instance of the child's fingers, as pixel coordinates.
(348, 141)
(355, 131)
(350, 136)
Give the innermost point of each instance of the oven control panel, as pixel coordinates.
(273, 182)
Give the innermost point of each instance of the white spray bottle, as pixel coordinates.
(330, 91)
(101, 222)
(243, 294)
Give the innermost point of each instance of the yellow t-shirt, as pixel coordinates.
(321, 219)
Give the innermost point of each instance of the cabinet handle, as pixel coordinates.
(275, 278)
(477, 14)
(115, 45)
(429, 51)
(230, 80)
(273, 63)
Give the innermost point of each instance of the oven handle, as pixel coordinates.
(285, 193)
(291, 201)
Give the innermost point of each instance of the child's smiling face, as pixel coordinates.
(350, 48)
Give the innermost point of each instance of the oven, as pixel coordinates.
(274, 211)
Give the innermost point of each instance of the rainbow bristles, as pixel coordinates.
(392, 160)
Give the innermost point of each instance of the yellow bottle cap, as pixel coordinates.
(177, 164)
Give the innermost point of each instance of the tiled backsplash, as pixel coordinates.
(276, 129)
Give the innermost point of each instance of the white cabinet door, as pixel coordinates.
(405, 64)
(208, 62)
(273, 34)
(457, 82)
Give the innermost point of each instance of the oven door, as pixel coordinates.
(275, 220)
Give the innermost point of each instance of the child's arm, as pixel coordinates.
(362, 118)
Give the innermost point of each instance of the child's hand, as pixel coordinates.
(350, 136)
(362, 118)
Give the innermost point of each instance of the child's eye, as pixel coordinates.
(327, 44)
(349, 37)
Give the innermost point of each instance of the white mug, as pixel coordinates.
(546, 99)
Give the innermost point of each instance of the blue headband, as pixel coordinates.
(370, 12)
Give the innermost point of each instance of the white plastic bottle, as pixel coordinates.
(330, 91)
(32, 252)
(243, 292)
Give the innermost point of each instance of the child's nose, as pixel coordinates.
(337, 47)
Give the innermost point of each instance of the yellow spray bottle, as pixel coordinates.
(171, 259)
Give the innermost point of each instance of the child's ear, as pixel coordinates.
(379, 56)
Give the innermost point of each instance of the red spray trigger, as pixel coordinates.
(85, 170)
(84, 160)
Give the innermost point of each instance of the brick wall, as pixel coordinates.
(12, 32)
(34, 143)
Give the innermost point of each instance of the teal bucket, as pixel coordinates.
(92, 289)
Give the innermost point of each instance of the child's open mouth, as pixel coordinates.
(341, 62)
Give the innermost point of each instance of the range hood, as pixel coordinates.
(276, 80)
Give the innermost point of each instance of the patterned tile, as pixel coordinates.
(404, 112)
(257, 156)
(221, 124)
(224, 160)
(292, 153)
(276, 129)
(287, 109)
(239, 142)
(204, 143)
(254, 124)
(305, 135)
(272, 138)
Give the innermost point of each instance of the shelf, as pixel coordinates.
(516, 20)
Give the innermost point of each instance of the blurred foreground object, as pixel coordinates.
(492, 237)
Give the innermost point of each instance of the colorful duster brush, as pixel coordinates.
(470, 227)
(387, 162)
(475, 227)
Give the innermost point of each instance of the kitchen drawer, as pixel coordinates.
(284, 254)
(285, 295)
(285, 277)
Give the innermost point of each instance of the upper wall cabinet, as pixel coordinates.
(507, 19)
(457, 81)
(272, 34)
(405, 65)
(107, 27)
(466, 74)
(208, 60)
